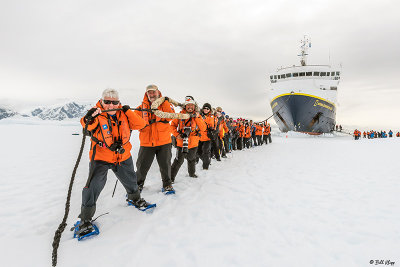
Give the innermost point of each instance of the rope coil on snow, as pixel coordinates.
(63, 224)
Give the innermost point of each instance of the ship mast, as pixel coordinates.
(305, 44)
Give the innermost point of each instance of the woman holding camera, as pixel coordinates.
(187, 133)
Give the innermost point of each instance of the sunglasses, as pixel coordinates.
(206, 108)
(114, 102)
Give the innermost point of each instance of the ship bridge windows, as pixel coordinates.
(302, 74)
(332, 73)
(316, 73)
(323, 74)
(328, 74)
(275, 77)
(283, 76)
(338, 73)
(309, 73)
(288, 75)
(271, 77)
(296, 74)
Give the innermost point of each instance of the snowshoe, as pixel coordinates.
(168, 190)
(141, 204)
(85, 229)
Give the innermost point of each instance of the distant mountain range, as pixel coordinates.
(5, 113)
(55, 112)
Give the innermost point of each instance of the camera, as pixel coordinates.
(117, 147)
(185, 136)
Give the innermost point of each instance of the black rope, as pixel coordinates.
(63, 224)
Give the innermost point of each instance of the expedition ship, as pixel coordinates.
(303, 98)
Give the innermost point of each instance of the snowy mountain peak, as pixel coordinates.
(61, 112)
(5, 113)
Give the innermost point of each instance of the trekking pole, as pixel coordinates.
(115, 186)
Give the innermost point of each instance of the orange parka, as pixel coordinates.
(196, 124)
(247, 131)
(223, 129)
(258, 130)
(267, 129)
(241, 130)
(106, 130)
(209, 121)
(158, 131)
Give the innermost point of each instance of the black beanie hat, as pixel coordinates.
(206, 105)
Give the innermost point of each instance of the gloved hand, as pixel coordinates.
(166, 98)
(88, 117)
(126, 108)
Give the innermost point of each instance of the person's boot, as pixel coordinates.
(85, 227)
(167, 190)
(140, 204)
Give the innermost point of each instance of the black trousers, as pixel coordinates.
(226, 143)
(98, 170)
(178, 161)
(240, 143)
(259, 141)
(254, 140)
(234, 142)
(215, 147)
(269, 138)
(246, 142)
(265, 139)
(221, 146)
(145, 159)
(204, 152)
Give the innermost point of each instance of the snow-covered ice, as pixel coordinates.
(300, 201)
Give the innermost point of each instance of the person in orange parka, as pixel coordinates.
(267, 133)
(365, 134)
(187, 133)
(242, 132)
(110, 149)
(259, 129)
(204, 149)
(155, 140)
(357, 134)
(247, 134)
(223, 129)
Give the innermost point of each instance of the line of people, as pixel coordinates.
(207, 133)
(373, 134)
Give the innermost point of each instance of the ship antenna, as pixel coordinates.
(305, 44)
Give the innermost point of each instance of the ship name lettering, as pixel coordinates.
(317, 103)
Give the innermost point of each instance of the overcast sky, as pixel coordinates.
(218, 51)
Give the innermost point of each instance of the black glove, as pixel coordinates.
(166, 98)
(126, 108)
(88, 117)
